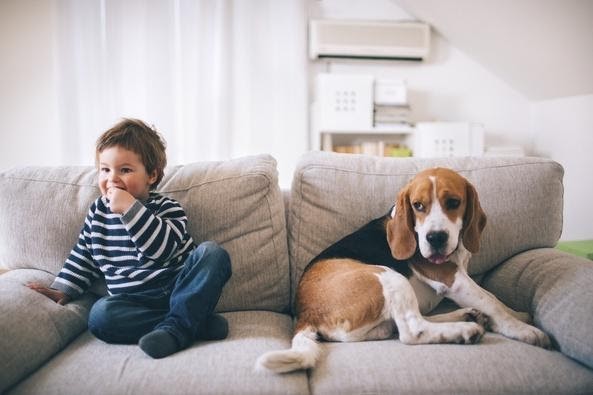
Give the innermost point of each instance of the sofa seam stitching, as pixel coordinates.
(413, 172)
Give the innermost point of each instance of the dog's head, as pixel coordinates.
(440, 207)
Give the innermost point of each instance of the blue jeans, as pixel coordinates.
(182, 308)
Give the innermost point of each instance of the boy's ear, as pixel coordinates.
(153, 177)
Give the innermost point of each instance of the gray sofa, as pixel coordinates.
(271, 235)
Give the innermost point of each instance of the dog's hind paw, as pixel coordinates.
(471, 334)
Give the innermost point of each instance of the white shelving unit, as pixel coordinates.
(329, 140)
(343, 117)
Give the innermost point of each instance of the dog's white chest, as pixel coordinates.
(428, 299)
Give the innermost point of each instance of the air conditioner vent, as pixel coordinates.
(368, 39)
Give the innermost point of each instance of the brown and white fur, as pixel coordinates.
(384, 277)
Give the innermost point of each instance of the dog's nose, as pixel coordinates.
(437, 239)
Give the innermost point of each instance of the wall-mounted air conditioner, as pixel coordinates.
(368, 39)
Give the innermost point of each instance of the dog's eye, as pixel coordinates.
(418, 206)
(452, 204)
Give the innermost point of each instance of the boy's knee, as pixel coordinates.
(211, 248)
(215, 256)
(101, 320)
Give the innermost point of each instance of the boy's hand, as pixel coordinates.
(119, 200)
(57, 296)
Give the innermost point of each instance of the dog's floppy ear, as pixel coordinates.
(474, 220)
(400, 228)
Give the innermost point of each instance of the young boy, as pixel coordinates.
(162, 290)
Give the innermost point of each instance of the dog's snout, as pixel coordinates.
(437, 239)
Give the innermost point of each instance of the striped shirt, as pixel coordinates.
(143, 248)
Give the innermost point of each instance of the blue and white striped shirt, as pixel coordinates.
(143, 248)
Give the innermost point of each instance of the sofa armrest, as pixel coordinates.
(33, 327)
(556, 288)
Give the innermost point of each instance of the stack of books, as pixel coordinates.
(391, 107)
(377, 148)
(385, 115)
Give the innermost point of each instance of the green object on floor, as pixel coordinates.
(583, 248)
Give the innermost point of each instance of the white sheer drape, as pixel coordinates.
(219, 78)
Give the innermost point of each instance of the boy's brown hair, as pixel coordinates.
(136, 136)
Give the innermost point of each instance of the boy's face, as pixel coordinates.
(123, 169)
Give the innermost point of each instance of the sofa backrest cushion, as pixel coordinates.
(332, 195)
(236, 203)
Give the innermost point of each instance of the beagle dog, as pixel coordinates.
(383, 278)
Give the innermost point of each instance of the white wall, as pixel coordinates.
(563, 131)
(531, 44)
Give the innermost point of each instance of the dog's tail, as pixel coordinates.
(303, 354)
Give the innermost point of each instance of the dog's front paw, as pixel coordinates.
(475, 315)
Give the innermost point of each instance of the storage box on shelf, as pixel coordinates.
(359, 114)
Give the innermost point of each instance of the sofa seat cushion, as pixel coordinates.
(90, 366)
(332, 195)
(33, 327)
(236, 203)
(494, 366)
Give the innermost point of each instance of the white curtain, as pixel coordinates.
(218, 78)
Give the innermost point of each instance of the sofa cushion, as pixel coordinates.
(237, 203)
(33, 327)
(334, 194)
(89, 366)
(494, 366)
(555, 288)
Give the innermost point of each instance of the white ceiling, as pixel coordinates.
(542, 48)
